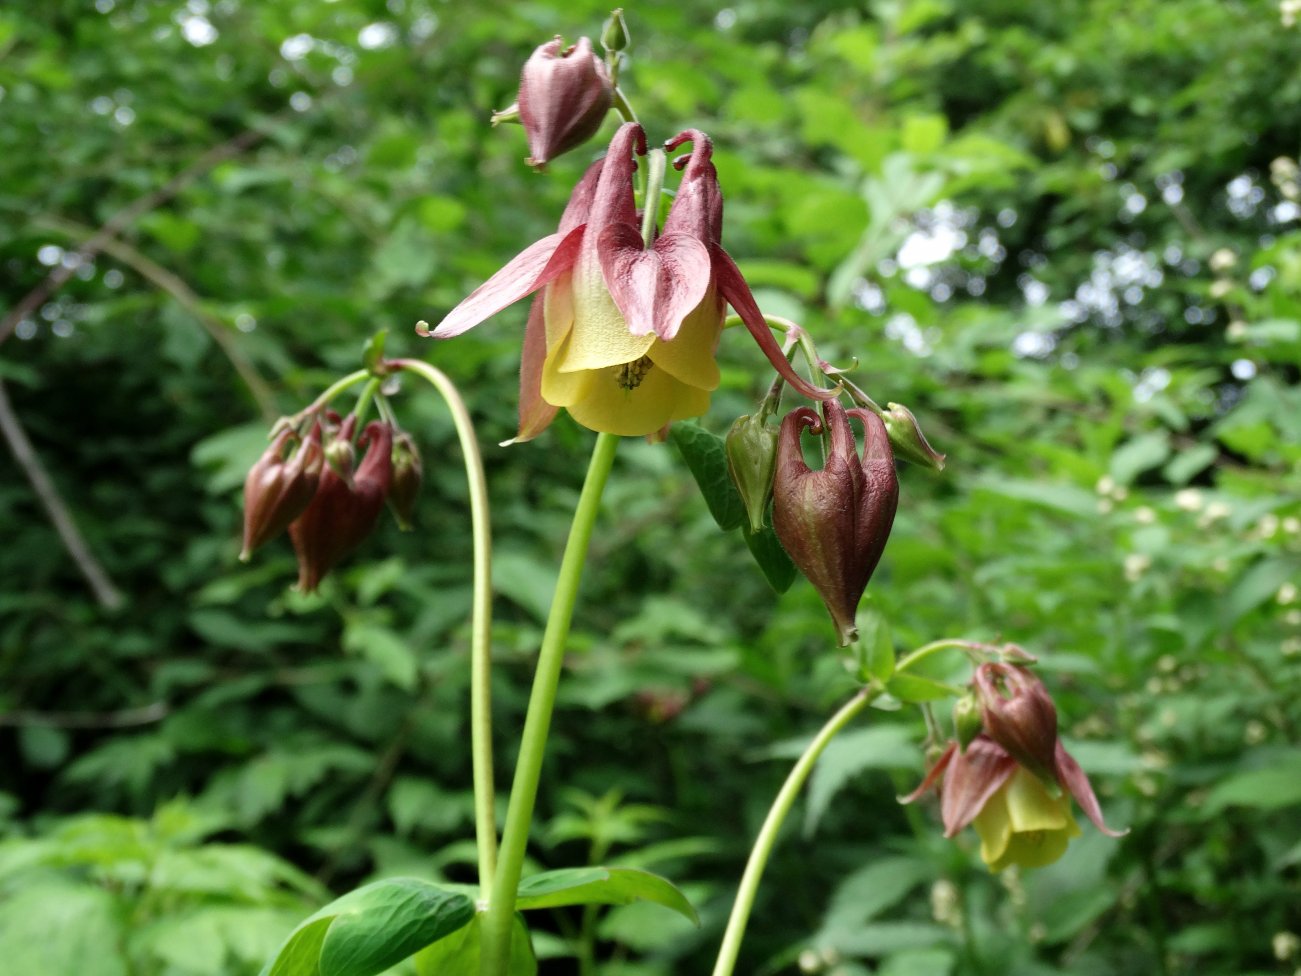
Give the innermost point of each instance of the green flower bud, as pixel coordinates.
(751, 447)
(614, 36)
(907, 439)
(968, 719)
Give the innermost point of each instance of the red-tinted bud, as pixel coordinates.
(563, 97)
(341, 515)
(751, 447)
(277, 490)
(1019, 714)
(407, 477)
(835, 522)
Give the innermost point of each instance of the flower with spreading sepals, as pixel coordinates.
(623, 335)
(1015, 780)
(564, 93)
(835, 523)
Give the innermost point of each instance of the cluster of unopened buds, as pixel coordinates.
(309, 482)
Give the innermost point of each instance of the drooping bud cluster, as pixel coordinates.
(564, 94)
(835, 523)
(326, 500)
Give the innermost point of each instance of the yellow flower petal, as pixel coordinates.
(1024, 824)
(600, 335)
(689, 356)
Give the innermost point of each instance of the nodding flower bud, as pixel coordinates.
(751, 447)
(1019, 714)
(967, 720)
(907, 439)
(614, 35)
(277, 489)
(345, 509)
(407, 477)
(834, 523)
(564, 94)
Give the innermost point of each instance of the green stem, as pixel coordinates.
(334, 389)
(656, 160)
(363, 400)
(485, 819)
(623, 106)
(972, 648)
(497, 920)
(772, 824)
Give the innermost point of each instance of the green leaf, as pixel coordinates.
(875, 645)
(776, 564)
(915, 688)
(1184, 465)
(59, 927)
(873, 747)
(707, 460)
(372, 928)
(373, 351)
(1138, 455)
(601, 886)
(1257, 585)
(1271, 788)
(458, 954)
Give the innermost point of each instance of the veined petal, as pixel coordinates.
(600, 336)
(690, 357)
(1071, 776)
(933, 774)
(525, 273)
(535, 414)
(732, 286)
(974, 776)
(656, 287)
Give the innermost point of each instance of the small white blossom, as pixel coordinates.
(1188, 499)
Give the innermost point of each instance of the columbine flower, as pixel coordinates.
(835, 522)
(1012, 782)
(623, 335)
(564, 94)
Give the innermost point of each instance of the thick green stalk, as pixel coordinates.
(772, 824)
(485, 819)
(497, 920)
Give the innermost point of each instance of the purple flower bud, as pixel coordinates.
(1019, 714)
(342, 514)
(563, 97)
(835, 522)
(277, 490)
(407, 477)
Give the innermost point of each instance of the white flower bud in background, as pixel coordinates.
(1136, 564)
(1188, 499)
(1223, 260)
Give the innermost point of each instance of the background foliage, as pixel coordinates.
(1066, 235)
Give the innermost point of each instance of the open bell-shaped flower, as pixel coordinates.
(1020, 819)
(564, 93)
(835, 523)
(623, 335)
(278, 489)
(345, 507)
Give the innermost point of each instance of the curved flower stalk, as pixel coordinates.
(623, 335)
